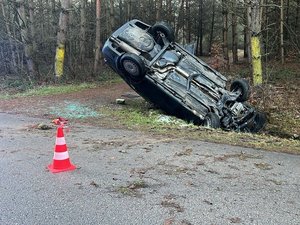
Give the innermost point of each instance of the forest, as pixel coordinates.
(31, 31)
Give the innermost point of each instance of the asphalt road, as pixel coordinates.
(133, 178)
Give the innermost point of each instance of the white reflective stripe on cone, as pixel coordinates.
(60, 141)
(60, 155)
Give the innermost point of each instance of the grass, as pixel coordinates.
(50, 90)
(11, 87)
(53, 90)
(136, 115)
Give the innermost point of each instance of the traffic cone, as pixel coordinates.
(61, 161)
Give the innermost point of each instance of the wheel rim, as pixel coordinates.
(131, 68)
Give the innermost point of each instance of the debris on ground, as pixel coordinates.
(93, 183)
(42, 126)
(74, 110)
(263, 166)
(120, 101)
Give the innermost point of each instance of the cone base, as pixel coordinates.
(53, 170)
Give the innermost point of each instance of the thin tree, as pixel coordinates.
(225, 32)
(189, 27)
(25, 37)
(200, 28)
(281, 31)
(159, 9)
(246, 35)
(13, 63)
(234, 33)
(179, 18)
(111, 15)
(97, 39)
(61, 38)
(82, 41)
(297, 15)
(31, 24)
(211, 36)
(121, 12)
(53, 19)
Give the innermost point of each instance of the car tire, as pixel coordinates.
(258, 122)
(162, 27)
(132, 66)
(211, 120)
(244, 87)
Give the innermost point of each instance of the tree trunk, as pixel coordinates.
(70, 42)
(297, 16)
(200, 29)
(61, 38)
(211, 36)
(129, 7)
(183, 23)
(13, 64)
(281, 32)
(225, 33)
(181, 14)
(188, 16)
(26, 40)
(234, 34)
(82, 41)
(287, 13)
(170, 16)
(159, 10)
(97, 39)
(254, 21)
(121, 12)
(111, 15)
(246, 34)
(31, 24)
(53, 20)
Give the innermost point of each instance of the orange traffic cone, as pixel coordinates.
(61, 161)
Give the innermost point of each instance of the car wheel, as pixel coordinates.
(258, 122)
(243, 87)
(211, 120)
(133, 66)
(164, 28)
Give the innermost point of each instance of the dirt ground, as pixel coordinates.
(39, 105)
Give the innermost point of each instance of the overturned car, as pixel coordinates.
(166, 74)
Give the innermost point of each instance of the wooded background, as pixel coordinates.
(37, 37)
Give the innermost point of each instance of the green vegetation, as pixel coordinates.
(53, 90)
(12, 88)
(49, 90)
(136, 115)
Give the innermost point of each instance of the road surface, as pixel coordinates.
(133, 178)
